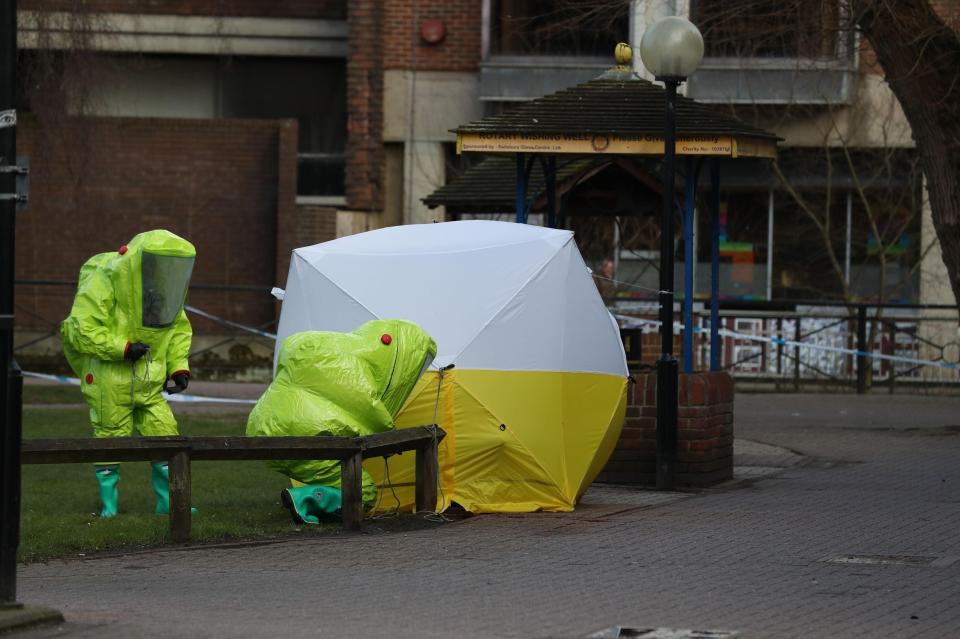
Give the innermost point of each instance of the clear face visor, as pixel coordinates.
(426, 365)
(165, 282)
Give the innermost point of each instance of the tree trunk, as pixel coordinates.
(920, 56)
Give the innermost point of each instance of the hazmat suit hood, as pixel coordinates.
(133, 294)
(159, 266)
(396, 353)
(341, 384)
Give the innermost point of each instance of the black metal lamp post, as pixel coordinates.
(10, 378)
(671, 49)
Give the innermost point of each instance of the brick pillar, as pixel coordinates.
(705, 432)
(286, 198)
(365, 154)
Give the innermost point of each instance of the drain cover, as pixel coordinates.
(622, 632)
(892, 560)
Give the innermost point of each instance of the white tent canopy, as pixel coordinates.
(536, 400)
(494, 295)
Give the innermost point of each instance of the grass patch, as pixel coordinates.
(236, 500)
(44, 394)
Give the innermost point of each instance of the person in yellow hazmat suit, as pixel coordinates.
(339, 384)
(126, 336)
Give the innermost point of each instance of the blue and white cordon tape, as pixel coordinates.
(789, 342)
(74, 381)
(178, 397)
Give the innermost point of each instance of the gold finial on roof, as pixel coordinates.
(623, 53)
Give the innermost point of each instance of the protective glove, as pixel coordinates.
(182, 380)
(135, 351)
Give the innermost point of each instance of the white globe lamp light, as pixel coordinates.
(671, 47)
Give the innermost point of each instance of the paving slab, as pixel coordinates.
(857, 540)
(14, 617)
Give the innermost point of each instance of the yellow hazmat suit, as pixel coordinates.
(126, 335)
(340, 384)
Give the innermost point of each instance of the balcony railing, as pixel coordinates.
(773, 81)
(520, 78)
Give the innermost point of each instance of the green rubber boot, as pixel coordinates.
(311, 504)
(108, 476)
(160, 478)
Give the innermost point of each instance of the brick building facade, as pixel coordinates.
(96, 183)
(376, 86)
(193, 163)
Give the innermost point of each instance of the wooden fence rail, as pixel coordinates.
(179, 452)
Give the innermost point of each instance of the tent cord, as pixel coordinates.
(428, 515)
(437, 515)
(387, 482)
(144, 381)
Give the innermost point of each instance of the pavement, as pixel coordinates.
(841, 521)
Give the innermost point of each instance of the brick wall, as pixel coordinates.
(310, 225)
(458, 51)
(705, 432)
(317, 9)
(365, 154)
(316, 224)
(96, 182)
(287, 213)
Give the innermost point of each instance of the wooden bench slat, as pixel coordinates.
(107, 449)
(397, 441)
(181, 451)
(250, 448)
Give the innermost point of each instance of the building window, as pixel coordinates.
(743, 231)
(558, 27)
(768, 28)
(311, 90)
(883, 268)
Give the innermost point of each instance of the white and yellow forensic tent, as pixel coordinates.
(536, 397)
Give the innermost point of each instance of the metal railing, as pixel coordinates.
(801, 344)
(848, 345)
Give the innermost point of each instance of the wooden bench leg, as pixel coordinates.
(180, 497)
(428, 469)
(351, 488)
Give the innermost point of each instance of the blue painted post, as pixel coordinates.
(714, 265)
(550, 180)
(688, 257)
(521, 201)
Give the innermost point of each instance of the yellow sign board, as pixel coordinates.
(590, 143)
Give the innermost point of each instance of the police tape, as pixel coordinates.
(723, 332)
(226, 322)
(178, 397)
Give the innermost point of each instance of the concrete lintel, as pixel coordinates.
(185, 34)
(442, 100)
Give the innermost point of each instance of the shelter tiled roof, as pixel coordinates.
(614, 103)
(490, 186)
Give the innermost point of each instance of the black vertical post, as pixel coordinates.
(667, 372)
(892, 365)
(797, 334)
(11, 394)
(10, 378)
(779, 351)
(862, 360)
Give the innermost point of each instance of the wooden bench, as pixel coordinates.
(179, 452)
